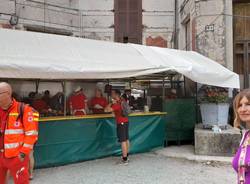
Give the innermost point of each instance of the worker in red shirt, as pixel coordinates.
(40, 105)
(78, 102)
(18, 134)
(121, 122)
(98, 103)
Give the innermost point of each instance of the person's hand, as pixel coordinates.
(108, 108)
(97, 106)
(21, 156)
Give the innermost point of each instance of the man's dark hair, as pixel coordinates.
(124, 96)
(47, 92)
(117, 91)
(32, 94)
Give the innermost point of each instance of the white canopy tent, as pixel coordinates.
(30, 55)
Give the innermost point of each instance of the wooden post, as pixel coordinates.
(163, 92)
(65, 98)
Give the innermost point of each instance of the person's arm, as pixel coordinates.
(108, 108)
(86, 106)
(30, 124)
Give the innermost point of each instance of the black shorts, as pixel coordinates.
(122, 132)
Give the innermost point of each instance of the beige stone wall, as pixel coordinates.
(97, 19)
(158, 22)
(211, 43)
(85, 18)
(186, 12)
(7, 6)
(91, 19)
(215, 44)
(57, 16)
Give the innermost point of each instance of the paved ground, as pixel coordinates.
(149, 168)
(187, 152)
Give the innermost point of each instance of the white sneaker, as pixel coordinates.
(123, 162)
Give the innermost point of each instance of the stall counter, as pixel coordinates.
(65, 140)
(96, 116)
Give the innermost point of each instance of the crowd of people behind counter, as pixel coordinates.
(77, 103)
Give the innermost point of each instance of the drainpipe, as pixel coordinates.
(175, 24)
(226, 32)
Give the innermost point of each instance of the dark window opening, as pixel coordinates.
(125, 39)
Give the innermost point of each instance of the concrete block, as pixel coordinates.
(209, 143)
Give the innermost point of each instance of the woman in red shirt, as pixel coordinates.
(98, 103)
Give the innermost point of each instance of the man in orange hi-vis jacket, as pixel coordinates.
(18, 133)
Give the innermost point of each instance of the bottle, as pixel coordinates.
(146, 109)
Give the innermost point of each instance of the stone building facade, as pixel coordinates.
(206, 26)
(218, 29)
(87, 18)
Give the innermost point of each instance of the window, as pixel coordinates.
(128, 21)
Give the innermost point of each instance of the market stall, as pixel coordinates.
(63, 140)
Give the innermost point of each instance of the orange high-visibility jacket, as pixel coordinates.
(20, 135)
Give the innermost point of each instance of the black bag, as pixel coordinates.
(20, 111)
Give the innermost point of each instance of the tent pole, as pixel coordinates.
(108, 94)
(37, 85)
(65, 98)
(196, 102)
(163, 92)
(185, 91)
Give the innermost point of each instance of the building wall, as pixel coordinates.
(158, 22)
(229, 34)
(211, 43)
(97, 19)
(186, 11)
(55, 16)
(215, 43)
(6, 9)
(91, 19)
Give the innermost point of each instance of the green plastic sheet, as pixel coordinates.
(68, 141)
(181, 119)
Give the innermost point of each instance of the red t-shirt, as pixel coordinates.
(117, 108)
(77, 101)
(40, 105)
(100, 101)
(1, 142)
